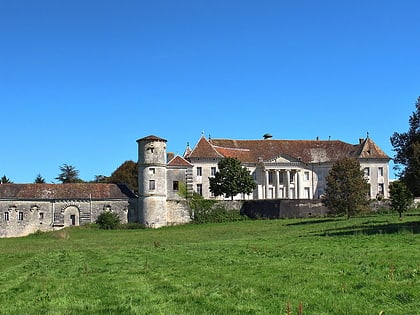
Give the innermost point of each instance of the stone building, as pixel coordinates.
(282, 169)
(287, 169)
(27, 208)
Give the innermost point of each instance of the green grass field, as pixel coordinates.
(367, 265)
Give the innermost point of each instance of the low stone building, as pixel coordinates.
(27, 208)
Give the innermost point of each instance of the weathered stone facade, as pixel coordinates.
(27, 208)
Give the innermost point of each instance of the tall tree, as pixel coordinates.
(407, 152)
(401, 197)
(39, 179)
(5, 180)
(126, 173)
(231, 179)
(346, 190)
(69, 174)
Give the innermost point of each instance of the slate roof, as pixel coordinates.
(65, 191)
(307, 151)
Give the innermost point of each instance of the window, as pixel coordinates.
(381, 188)
(152, 185)
(41, 215)
(380, 171)
(6, 216)
(270, 178)
(152, 170)
(213, 171)
(366, 171)
(306, 175)
(175, 185)
(20, 216)
(292, 177)
(199, 171)
(200, 189)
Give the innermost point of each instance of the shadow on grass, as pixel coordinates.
(306, 222)
(390, 228)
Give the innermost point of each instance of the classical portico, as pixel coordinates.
(281, 183)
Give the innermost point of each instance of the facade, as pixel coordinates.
(27, 208)
(282, 169)
(288, 169)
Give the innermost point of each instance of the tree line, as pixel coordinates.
(125, 173)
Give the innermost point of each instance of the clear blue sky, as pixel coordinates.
(81, 81)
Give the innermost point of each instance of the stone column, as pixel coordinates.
(277, 184)
(266, 184)
(287, 185)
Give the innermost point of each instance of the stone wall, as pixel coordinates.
(284, 208)
(178, 212)
(23, 217)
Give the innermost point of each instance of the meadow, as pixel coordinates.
(365, 265)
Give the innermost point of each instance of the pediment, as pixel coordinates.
(282, 159)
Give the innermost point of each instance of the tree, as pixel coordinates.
(346, 190)
(126, 173)
(407, 152)
(231, 179)
(108, 220)
(100, 179)
(401, 197)
(5, 180)
(39, 179)
(69, 174)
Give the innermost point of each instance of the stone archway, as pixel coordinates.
(71, 216)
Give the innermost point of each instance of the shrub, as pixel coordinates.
(204, 211)
(108, 220)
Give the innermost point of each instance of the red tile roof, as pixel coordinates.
(308, 151)
(65, 191)
(179, 161)
(152, 138)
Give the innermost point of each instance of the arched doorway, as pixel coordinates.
(71, 216)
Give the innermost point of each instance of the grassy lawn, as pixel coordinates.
(367, 265)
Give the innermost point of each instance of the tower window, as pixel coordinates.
(152, 170)
(6, 216)
(152, 184)
(199, 171)
(20, 216)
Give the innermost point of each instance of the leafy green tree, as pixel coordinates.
(100, 179)
(5, 180)
(346, 190)
(108, 220)
(231, 179)
(39, 179)
(407, 152)
(126, 173)
(401, 197)
(69, 174)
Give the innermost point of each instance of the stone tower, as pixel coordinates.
(152, 181)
